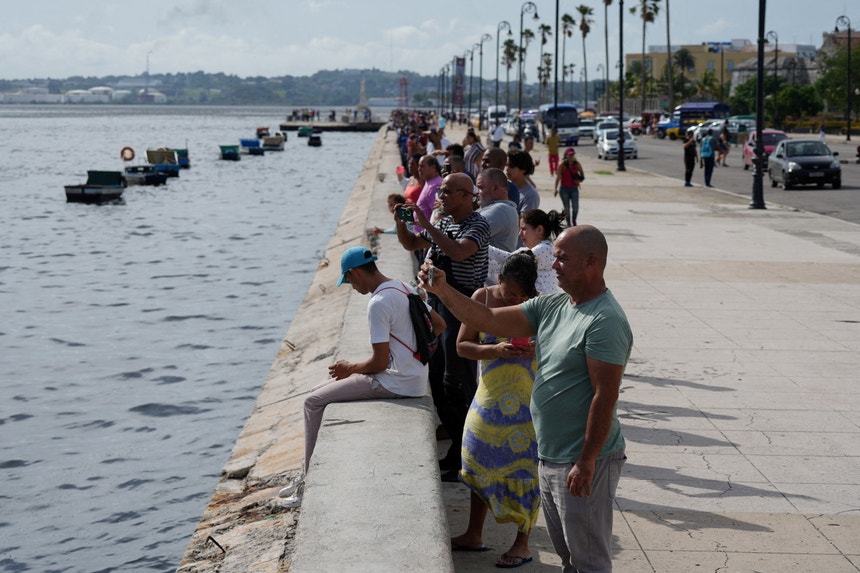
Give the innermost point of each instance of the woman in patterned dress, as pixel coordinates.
(499, 447)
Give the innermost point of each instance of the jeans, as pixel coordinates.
(709, 169)
(570, 202)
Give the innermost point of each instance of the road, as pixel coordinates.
(666, 158)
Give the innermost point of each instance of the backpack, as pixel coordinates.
(707, 146)
(425, 339)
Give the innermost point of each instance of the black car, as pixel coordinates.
(803, 162)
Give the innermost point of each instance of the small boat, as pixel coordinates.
(144, 175)
(230, 152)
(305, 131)
(274, 142)
(251, 146)
(314, 140)
(262, 132)
(101, 187)
(182, 156)
(164, 160)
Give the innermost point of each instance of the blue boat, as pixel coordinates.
(251, 146)
(164, 160)
(230, 152)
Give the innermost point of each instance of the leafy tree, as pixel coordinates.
(832, 84)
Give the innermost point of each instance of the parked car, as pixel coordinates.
(699, 131)
(602, 126)
(770, 137)
(803, 162)
(586, 127)
(607, 145)
(635, 125)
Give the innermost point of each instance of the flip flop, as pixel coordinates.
(457, 547)
(523, 561)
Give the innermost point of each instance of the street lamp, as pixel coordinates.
(503, 25)
(844, 21)
(442, 80)
(484, 38)
(530, 8)
(773, 37)
(757, 201)
(600, 68)
(621, 86)
(471, 75)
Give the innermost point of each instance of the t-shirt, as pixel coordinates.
(547, 282)
(504, 233)
(553, 142)
(566, 334)
(428, 198)
(468, 274)
(707, 146)
(529, 198)
(387, 315)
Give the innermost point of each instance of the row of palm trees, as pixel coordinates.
(512, 53)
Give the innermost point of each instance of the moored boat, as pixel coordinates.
(182, 157)
(314, 140)
(230, 152)
(251, 146)
(274, 142)
(101, 187)
(305, 131)
(144, 175)
(262, 132)
(164, 160)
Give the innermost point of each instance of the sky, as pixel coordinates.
(59, 39)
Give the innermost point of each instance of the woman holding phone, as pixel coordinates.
(499, 446)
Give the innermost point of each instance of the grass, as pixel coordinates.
(604, 172)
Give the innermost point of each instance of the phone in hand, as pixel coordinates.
(405, 214)
(401, 170)
(520, 343)
(431, 275)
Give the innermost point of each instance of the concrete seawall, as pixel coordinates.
(243, 527)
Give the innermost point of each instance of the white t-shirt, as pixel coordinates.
(388, 316)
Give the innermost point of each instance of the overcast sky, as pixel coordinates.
(58, 38)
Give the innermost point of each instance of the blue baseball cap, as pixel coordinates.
(354, 257)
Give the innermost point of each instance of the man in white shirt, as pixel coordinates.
(498, 134)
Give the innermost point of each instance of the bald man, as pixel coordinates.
(583, 342)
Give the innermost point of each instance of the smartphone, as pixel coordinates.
(431, 274)
(401, 170)
(520, 343)
(405, 214)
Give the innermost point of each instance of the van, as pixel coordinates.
(496, 112)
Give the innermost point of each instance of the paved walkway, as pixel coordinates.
(741, 402)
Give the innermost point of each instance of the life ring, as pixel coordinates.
(127, 153)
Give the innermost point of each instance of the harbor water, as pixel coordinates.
(134, 337)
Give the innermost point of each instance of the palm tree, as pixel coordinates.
(669, 62)
(509, 58)
(685, 61)
(585, 23)
(544, 73)
(528, 36)
(606, 4)
(648, 10)
(567, 24)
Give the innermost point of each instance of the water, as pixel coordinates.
(134, 337)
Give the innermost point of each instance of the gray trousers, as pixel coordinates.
(580, 528)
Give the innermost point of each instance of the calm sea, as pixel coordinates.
(134, 337)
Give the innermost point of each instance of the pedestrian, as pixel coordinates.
(707, 156)
(498, 134)
(518, 170)
(501, 474)
(391, 370)
(553, 142)
(473, 153)
(457, 243)
(723, 145)
(502, 215)
(537, 231)
(568, 178)
(691, 156)
(583, 342)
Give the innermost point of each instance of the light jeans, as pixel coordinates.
(580, 528)
(349, 389)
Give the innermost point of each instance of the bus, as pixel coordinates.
(689, 114)
(567, 124)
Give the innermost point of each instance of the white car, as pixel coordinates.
(602, 126)
(699, 131)
(607, 145)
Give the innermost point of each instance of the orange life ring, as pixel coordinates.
(127, 153)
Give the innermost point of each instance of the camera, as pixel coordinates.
(405, 214)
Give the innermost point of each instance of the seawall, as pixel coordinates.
(373, 483)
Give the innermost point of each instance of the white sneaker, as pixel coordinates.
(292, 487)
(293, 501)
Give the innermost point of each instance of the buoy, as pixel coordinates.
(127, 153)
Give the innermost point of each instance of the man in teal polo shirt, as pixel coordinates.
(583, 342)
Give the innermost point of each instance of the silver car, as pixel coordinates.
(607, 145)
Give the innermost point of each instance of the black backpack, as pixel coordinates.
(425, 339)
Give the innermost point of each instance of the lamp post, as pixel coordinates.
(443, 75)
(484, 38)
(757, 201)
(471, 75)
(600, 68)
(844, 21)
(529, 7)
(503, 25)
(621, 86)
(453, 87)
(772, 36)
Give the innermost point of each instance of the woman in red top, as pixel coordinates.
(567, 180)
(413, 187)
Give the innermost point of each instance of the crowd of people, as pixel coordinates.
(532, 344)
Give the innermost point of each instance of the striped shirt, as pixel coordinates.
(469, 274)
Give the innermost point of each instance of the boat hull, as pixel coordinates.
(92, 194)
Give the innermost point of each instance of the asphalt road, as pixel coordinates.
(666, 158)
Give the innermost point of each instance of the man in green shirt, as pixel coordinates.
(583, 342)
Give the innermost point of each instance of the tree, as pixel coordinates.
(544, 74)
(606, 4)
(585, 23)
(648, 10)
(832, 84)
(528, 36)
(509, 58)
(567, 25)
(685, 62)
(669, 66)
